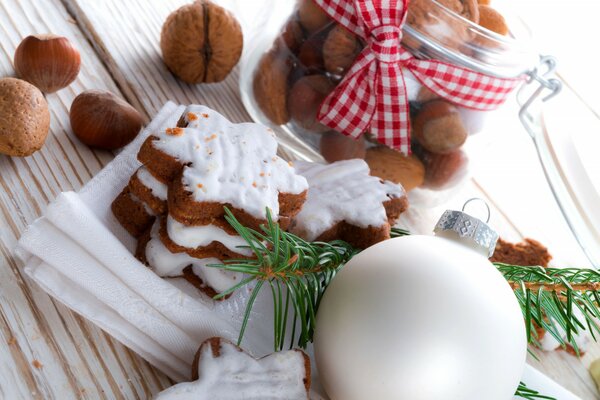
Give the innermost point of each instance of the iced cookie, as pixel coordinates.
(167, 264)
(221, 370)
(345, 202)
(210, 163)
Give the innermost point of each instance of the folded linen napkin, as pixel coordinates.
(79, 254)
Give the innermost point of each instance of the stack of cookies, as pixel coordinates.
(175, 203)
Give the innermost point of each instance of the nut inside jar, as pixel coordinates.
(313, 53)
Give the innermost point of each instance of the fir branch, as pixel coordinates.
(529, 394)
(296, 271)
(549, 298)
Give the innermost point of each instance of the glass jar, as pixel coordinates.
(300, 55)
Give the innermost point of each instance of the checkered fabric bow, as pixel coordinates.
(372, 96)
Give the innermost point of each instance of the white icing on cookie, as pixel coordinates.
(158, 189)
(168, 265)
(342, 191)
(230, 163)
(235, 375)
(200, 236)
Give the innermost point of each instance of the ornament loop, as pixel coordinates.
(489, 212)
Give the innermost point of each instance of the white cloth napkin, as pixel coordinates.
(79, 254)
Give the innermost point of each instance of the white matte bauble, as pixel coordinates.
(420, 318)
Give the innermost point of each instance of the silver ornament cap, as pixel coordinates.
(469, 228)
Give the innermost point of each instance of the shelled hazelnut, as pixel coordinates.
(304, 100)
(444, 170)
(102, 120)
(270, 86)
(394, 166)
(24, 118)
(339, 50)
(335, 146)
(491, 19)
(311, 16)
(49, 62)
(438, 127)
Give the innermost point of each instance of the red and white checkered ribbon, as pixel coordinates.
(372, 96)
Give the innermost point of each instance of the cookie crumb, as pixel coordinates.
(175, 131)
(37, 364)
(191, 116)
(529, 252)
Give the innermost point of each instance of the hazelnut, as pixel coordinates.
(305, 98)
(339, 50)
(336, 146)
(426, 95)
(103, 120)
(394, 166)
(311, 16)
(201, 42)
(49, 62)
(438, 127)
(270, 86)
(444, 170)
(24, 118)
(292, 35)
(491, 19)
(310, 54)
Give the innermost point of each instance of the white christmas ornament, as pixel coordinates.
(422, 318)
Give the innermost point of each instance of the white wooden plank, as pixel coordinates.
(75, 359)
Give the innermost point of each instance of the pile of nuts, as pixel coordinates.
(47, 63)
(310, 57)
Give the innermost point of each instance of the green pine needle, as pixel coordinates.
(296, 271)
(529, 394)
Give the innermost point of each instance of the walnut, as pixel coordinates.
(340, 49)
(201, 42)
(270, 86)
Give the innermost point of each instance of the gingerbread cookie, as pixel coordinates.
(223, 371)
(211, 163)
(526, 253)
(132, 213)
(167, 264)
(345, 202)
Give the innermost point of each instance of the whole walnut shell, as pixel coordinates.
(340, 49)
(201, 42)
(270, 86)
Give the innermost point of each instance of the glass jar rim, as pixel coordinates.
(487, 52)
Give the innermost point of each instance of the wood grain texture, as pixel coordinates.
(119, 41)
(47, 352)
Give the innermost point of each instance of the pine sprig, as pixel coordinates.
(296, 271)
(529, 394)
(565, 302)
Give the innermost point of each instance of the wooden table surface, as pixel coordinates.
(47, 351)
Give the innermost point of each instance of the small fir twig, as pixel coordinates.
(549, 298)
(296, 271)
(529, 394)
